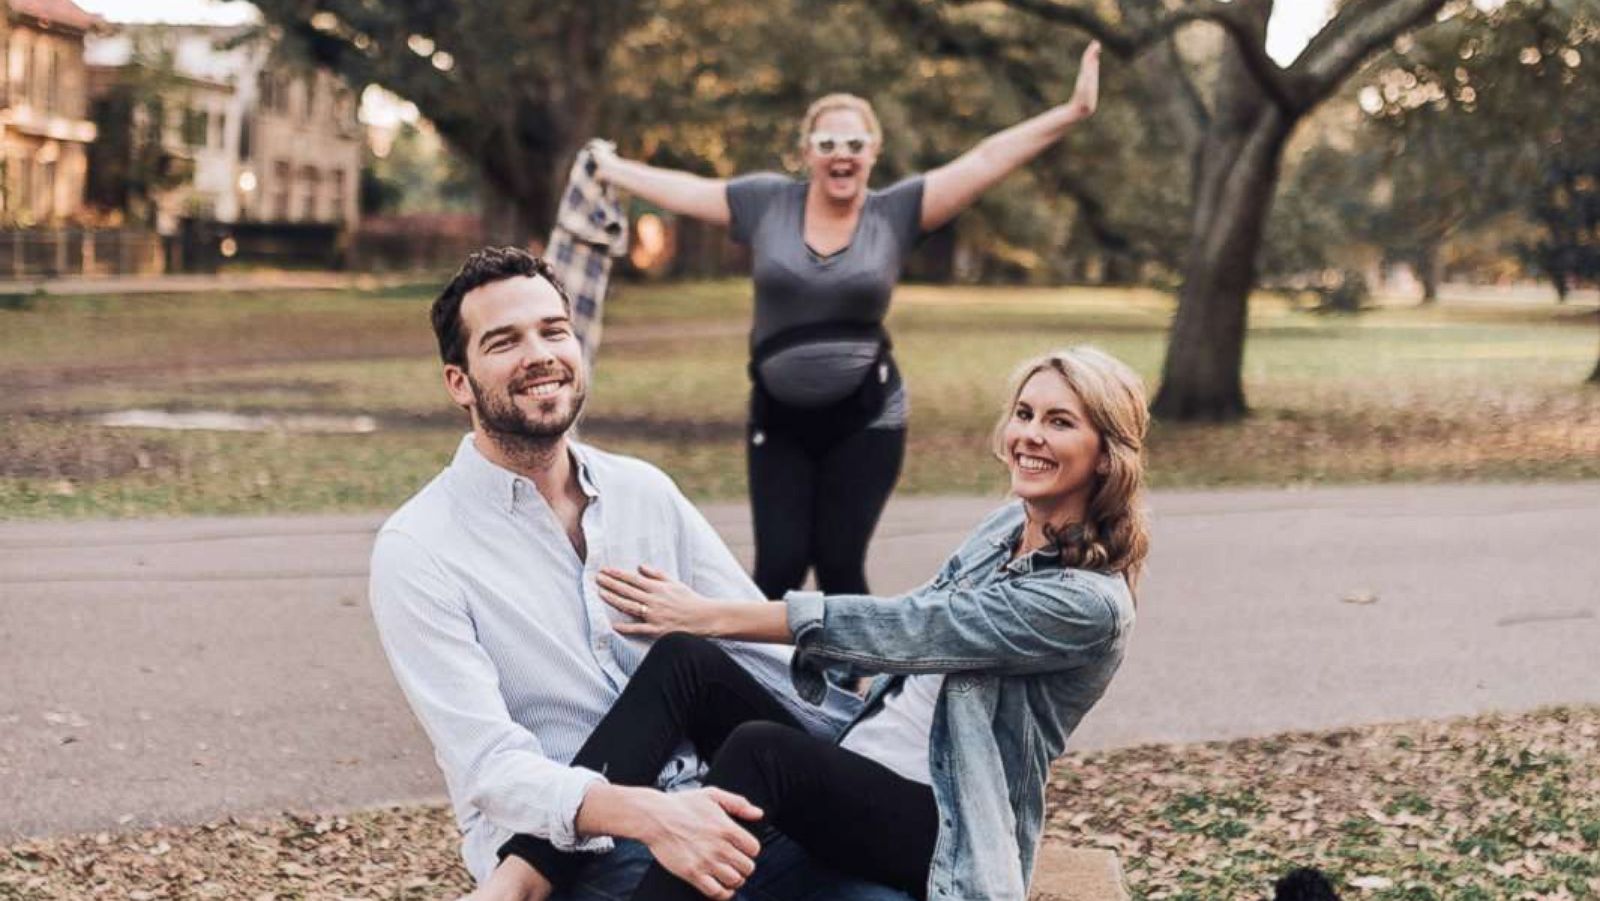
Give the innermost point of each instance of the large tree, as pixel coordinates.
(514, 84)
(1237, 111)
(1467, 124)
(1497, 115)
(717, 87)
(518, 85)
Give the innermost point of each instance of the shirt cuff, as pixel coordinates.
(565, 834)
(805, 612)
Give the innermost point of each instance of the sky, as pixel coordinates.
(1293, 21)
(203, 12)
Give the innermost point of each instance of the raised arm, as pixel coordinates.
(957, 184)
(683, 193)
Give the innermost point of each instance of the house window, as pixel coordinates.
(25, 198)
(24, 54)
(40, 59)
(282, 183)
(311, 186)
(338, 195)
(52, 84)
(196, 127)
(47, 184)
(244, 139)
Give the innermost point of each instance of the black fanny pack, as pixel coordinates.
(851, 413)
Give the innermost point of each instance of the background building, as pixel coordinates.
(264, 139)
(44, 124)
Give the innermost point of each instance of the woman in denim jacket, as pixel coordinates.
(938, 787)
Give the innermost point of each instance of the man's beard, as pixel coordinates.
(514, 427)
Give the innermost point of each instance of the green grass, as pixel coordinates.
(1479, 391)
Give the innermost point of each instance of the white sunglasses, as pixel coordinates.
(827, 143)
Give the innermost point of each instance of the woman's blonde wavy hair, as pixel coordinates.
(1115, 534)
(830, 102)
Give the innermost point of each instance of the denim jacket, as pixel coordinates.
(1028, 645)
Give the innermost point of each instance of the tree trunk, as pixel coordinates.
(525, 173)
(522, 189)
(1427, 263)
(1594, 377)
(1202, 378)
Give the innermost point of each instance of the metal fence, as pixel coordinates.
(47, 253)
(371, 252)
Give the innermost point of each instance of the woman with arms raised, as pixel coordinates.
(938, 787)
(828, 411)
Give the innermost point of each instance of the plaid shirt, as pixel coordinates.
(590, 229)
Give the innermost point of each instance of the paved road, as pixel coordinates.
(176, 671)
(197, 283)
(1405, 293)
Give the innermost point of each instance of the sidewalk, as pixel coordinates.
(182, 670)
(267, 280)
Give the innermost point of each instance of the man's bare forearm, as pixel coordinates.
(619, 811)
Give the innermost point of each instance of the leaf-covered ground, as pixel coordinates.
(1502, 807)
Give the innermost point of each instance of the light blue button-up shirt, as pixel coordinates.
(496, 632)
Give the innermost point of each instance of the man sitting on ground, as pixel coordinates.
(483, 589)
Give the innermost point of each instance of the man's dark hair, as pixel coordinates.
(483, 267)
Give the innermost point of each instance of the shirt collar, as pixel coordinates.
(1006, 541)
(497, 485)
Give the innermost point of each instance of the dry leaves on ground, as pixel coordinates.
(1504, 807)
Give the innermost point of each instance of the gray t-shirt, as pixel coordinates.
(796, 286)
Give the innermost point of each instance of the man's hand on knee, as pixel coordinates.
(695, 834)
(697, 837)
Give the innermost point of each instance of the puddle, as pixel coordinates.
(219, 421)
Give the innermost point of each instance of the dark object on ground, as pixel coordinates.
(1304, 884)
(1347, 292)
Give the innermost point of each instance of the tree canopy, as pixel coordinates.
(1175, 179)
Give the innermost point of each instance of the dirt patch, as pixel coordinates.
(305, 387)
(632, 428)
(41, 380)
(79, 455)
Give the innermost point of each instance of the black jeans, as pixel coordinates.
(815, 501)
(846, 810)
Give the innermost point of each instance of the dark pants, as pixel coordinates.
(815, 502)
(846, 810)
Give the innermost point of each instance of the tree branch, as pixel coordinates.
(1234, 18)
(1092, 212)
(1360, 28)
(1185, 106)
